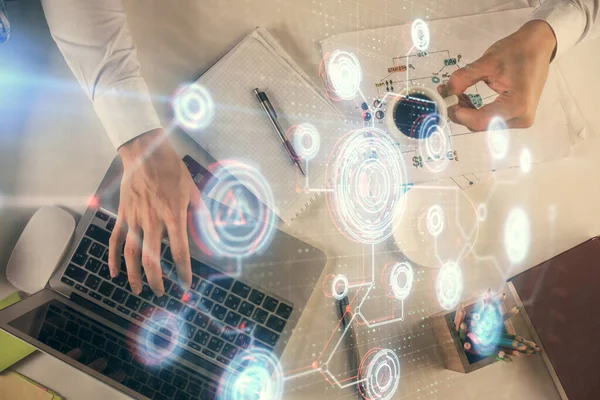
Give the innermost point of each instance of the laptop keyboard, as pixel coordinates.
(66, 330)
(218, 317)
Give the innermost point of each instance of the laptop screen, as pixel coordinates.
(119, 358)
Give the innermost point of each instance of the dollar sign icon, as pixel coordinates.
(417, 161)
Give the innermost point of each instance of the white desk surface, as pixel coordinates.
(53, 150)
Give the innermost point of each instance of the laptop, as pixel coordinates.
(182, 345)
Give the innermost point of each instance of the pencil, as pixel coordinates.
(511, 344)
(512, 312)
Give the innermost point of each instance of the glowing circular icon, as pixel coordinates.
(153, 349)
(344, 74)
(525, 161)
(434, 132)
(339, 287)
(238, 223)
(379, 373)
(259, 377)
(498, 139)
(488, 328)
(367, 178)
(517, 236)
(401, 280)
(435, 220)
(419, 33)
(193, 107)
(449, 285)
(305, 140)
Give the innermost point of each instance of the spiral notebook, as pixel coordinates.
(240, 129)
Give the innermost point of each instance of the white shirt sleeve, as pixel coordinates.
(94, 39)
(571, 20)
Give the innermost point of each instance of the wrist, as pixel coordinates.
(539, 35)
(152, 141)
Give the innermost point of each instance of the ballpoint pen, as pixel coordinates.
(270, 111)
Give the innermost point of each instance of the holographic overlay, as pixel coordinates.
(449, 285)
(434, 131)
(153, 349)
(379, 372)
(339, 287)
(399, 279)
(259, 377)
(305, 140)
(517, 236)
(488, 327)
(367, 176)
(498, 138)
(237, 224)
(435, 220)
(419, 33)
(343, 75)
(193, 107)
(525, 161)
(482, 212)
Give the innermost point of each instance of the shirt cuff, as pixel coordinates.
(565, 19)
(126, 111)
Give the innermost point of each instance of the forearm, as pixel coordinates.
(571, 20)
(95, 41)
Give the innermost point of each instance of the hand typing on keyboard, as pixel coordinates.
(156, 191)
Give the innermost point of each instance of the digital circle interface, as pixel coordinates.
(193, 107)
(379, 372)
(449, 285)
(344, 74)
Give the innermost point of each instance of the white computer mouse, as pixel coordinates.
(40, 248)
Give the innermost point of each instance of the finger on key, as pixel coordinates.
(151, 258)
(115, 245)
(180, 250)
(132, 259)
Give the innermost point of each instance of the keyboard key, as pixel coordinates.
(111, 224)
(179, 382)
(215, 328)
(104, 271)
(138, 317)
(195, 282)
(75, 273)
(79, 258)
(218, 295)
(208, 353)
(161, 301)
(232, 302)
(61, 335)
(187, 330)
(167, 284)
(215, 344)
(93, 265)
(140, 375)
(276, 323)
(177, 292)
(133, 384)
(243, 341)
(229, 351)
(72, 327)
(112, 348)
(146, 293)
(106, 288)
(99, 341)
(232, 318)
(109, 303)
(181, 395)
(125, 356)
(246, 325)
(256, 297)
(205, 305)
(98, 234)
(202, 320)
(229, 334)
(147, 309)
(194, 389)
(174, 306)
(167, 254)
(105, 257)
(73, 342)
(133, 303)
(96, 250)
(246, 309)
(120, 280)
(101, 215)
(84, 245)
(166, 375)
(95, 296)
(265, 335)
(81, 288)
(270, 304)
(119, 295)
(201, 338)
(85, 334)
(191, 298)
(66, 280)
(260, 315)
(188, 313)
(284, 311)
(240, 289)
(166, 267)
(147, 391)
(92, 282)
(205, 288)
(219, 312)
(154, 382)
